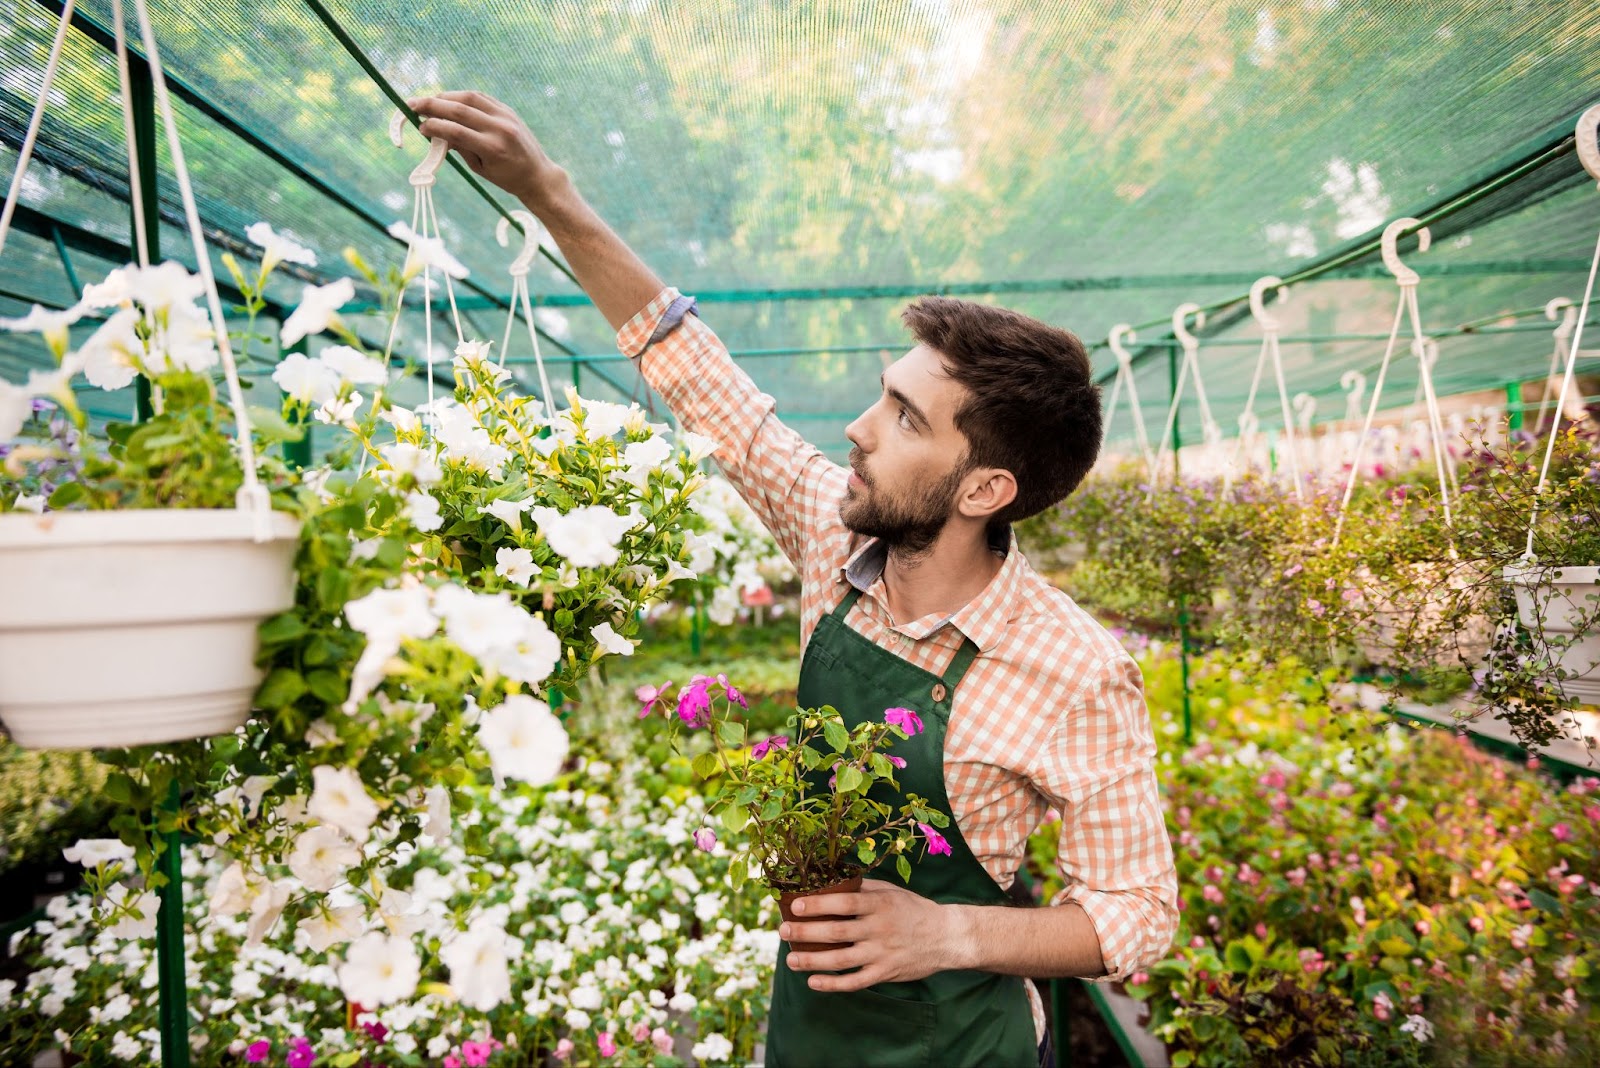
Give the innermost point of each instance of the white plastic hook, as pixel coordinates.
(1588, 139)
(1354, 383)
(1258, 302)
(530, 240)
(1568, 312)
(1180, 315)
(426, 172)
(1305, 406)
(1118, 333)
(1249, 423)
(1391, 252)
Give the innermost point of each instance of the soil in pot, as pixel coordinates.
(786, 902)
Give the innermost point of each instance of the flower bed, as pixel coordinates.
(1359, 893)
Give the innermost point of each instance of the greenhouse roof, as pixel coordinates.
(804, 168)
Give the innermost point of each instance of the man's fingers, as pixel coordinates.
(830, 905)
(461, 138)
(456, 111)
(841, 984)
(481, 101)
(830, 960)
(820, 931)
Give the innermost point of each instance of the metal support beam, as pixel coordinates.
(147, 211)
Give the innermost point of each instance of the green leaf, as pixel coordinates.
(850, 779)
(1237, 959)
(738, 872)
(867, 850)
(281, 629)
(836, 735)
(348, 1059)
(730, 733)
(1183, 1058)
(1544, 901)
(327, 686)
(119, 788)
(705, 765)
(272, 427)
(903, 866)
(283, 687)
(67, 493)
(735, 818)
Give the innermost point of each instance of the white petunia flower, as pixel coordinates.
(402, 613)
(93, 852)
(407, 459)
(531, 657)
(318, 310)
(399, 912)
(524, 740)
(379, 969)
(1418, 1028)
(29, 503)
(321, 856)
(52, 324)
(265, 910)
(402, 419)
(354, 366)
(425, 252)
(508, 512)
(16, 406)
(111, 355)
(233, 892)
(699, 445)
(371, 667)
(587, 536)
(649, 454)
(422, 512)
(515, 564)
(306, 380)
(160, 287)
(586, 996)
(477, 962)
(333, 928)
(127, 1048)
(612, 642)
(712, 1049)
(278, 248)
(437, 804)
(577, 1020)
(146, 903)
(339, 798)
(339, 413)
(186, 342)
(480, 623)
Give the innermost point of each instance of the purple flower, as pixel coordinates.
(737, 698)
(257, 1051)
(375, 1030)
(705, 839)
(937, 843)
(898, 762)
(301, 1055)
(761, 748)
(694, 703)
(903, 718)
(648, 697)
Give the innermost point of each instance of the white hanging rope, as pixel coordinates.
(1270, 352)
(37, 120)
(252, 496)
(141, 240)
(1211, 434)
(1125, 376)
(520, 268)
(1567, 312)
(1589, 154)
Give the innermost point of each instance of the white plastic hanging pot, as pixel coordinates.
(135, 627)
(1563, 605)
(1415, 616)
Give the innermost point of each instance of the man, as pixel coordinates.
(914, 595)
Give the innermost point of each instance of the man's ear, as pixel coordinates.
(987, 490)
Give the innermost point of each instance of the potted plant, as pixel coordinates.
(818, 808)
(136, 566)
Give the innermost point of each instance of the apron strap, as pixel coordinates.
(960, 663)
(845, 605)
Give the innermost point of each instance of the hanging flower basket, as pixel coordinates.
(135, 627)
(1420, 621)
(1560, 606)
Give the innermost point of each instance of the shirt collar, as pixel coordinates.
(983, 619)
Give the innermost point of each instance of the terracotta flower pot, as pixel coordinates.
(785, 906)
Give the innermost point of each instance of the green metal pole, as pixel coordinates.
(1183, 598)
(66, 263)
(173, 1011)
(142, 102)
(695, 625)
(170, 956)
(1514, 404)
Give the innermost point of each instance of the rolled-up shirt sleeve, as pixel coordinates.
(1114, 854)
(790, 484)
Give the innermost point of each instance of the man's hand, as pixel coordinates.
(898, 936)
(494, 141)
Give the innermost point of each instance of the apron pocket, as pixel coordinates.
(861, 1027)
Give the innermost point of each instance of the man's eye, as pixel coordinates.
(905, 419)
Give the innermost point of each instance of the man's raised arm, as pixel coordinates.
(787, 481)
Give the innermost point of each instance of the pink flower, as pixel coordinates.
(257, 1051)
(1561, 832)
(1212, 894)
(1274, 779)
(376, 1030)
(898, 762)
(1593, 812)
(1316, 606)
(563, 1050)
(705, 839)
(476, 1054)
(903, 718)
(1423, 927)
(737, 698)
(661, 1040)
(761, 748)
(451, 1061)
(936, 841)
(1139, 978)
(1296, 877)
(608, 1048)
(1475, 922)
(1382, 1006)
(648, 697)
(694, 704)
(641, 1032)
(301, 1055)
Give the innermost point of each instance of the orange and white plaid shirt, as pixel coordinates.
(1051, 715)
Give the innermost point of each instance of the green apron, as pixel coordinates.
(950, 1019)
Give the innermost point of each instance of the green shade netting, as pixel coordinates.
(1119, 158)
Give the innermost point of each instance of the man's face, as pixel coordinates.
(908, 459)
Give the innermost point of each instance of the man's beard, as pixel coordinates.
(909, 526)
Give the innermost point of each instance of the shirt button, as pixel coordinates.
(939, 691)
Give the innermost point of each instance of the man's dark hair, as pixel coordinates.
(1033, 407)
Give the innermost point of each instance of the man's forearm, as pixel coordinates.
(613, 275)
(1039, 943)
